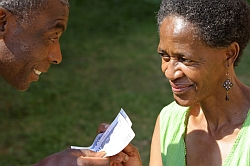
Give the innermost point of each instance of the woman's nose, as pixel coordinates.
(172, 70)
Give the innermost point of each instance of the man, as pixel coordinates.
(29, 38)
(29, 44)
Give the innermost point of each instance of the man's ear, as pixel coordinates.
(4, 15)
(232, 53)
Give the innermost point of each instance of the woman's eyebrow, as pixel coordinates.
(161, 50)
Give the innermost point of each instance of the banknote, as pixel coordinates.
(117, 136)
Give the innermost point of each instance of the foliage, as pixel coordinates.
(109, 62)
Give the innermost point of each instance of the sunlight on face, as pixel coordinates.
(179, 25)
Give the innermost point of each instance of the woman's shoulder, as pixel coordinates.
(173, 108)
(173, 114)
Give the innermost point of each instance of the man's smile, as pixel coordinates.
(37, 72)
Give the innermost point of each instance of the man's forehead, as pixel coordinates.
(65, 2)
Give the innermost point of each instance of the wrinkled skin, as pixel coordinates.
(28, 49)
(196, 73)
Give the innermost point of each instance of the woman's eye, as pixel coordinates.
(185, 60)
(166, 58)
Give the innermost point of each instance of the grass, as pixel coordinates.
(109, 62)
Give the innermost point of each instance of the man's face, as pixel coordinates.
(27, 50)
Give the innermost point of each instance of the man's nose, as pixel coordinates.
(55, 55)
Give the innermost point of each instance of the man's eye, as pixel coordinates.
(53, 39)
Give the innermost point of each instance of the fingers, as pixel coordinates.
(128, 152)
(131, 150)
(90, 161)
(91, 158)
(89, 153)
(120, 157)
(128, 157)
(102, 128)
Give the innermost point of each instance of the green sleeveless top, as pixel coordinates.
(173, 122)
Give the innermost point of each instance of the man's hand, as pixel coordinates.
(72, 157)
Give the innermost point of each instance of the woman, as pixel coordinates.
(201, 41)
(208, 124)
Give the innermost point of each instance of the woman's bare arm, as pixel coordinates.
(155, 152)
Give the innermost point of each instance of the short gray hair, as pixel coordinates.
(219, 22)
(26, 9)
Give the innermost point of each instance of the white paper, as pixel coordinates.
(117, 136)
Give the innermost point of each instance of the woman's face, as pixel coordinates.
(196, 72)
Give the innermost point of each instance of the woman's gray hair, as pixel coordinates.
(219, 23)
(26, 10)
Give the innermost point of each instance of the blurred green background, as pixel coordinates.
(109, 62)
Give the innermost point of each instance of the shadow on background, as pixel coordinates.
(109, 62)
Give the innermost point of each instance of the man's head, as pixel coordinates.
(25, 10)
(29, 38)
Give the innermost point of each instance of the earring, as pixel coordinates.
(227, 85)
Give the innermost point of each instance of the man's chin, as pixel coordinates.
(23, 88)
(20, 86)
(18, 83)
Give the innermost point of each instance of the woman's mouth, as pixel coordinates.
(180, 88)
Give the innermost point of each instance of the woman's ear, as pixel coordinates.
(232, 53)
(4, 15)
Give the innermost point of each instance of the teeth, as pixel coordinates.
(37, 72)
